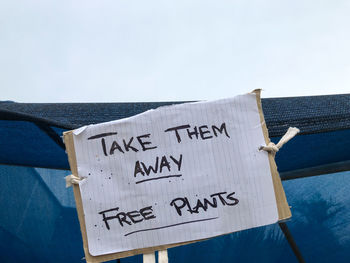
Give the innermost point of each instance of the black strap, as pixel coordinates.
(291, 241)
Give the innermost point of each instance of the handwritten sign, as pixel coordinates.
(174, 174)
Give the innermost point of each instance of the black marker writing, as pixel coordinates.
(202, 132)
(182, 202)
(163, 164)
(102, 135)
(123, 145)
(129, 218)
(176, 129)
(173, 225)
(221, 129)
(144, 143)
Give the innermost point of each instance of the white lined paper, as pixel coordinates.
(227, 162)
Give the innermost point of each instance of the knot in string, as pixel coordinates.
(72, 179)
(273, 148)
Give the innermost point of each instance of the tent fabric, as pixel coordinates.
(312, 114)
(38, 221)
(321, 146)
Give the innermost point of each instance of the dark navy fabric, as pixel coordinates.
(23, 143)
(311, 114)
(324, 122)
(38, 223)
(310, 150)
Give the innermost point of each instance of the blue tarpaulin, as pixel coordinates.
(38, 221)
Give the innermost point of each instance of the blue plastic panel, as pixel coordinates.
(39, 224)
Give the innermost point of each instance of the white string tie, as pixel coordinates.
(163, 256)
(149, 258)
(273, 148)
(72, 179)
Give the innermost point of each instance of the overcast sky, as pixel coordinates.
(112, 51)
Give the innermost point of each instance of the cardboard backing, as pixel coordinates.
(282, 205)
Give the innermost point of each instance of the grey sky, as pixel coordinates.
(84, 51)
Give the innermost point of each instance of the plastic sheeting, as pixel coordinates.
(324, 122)
(38, 223)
